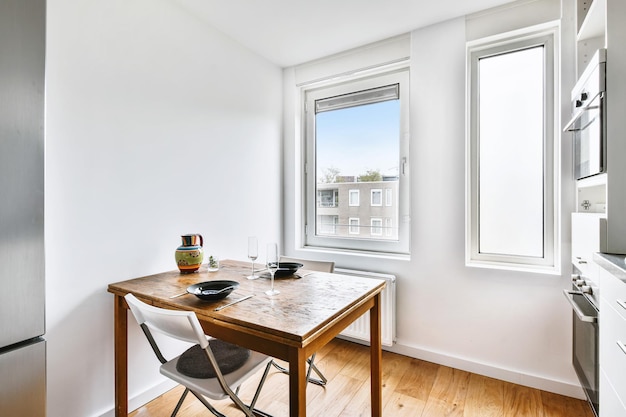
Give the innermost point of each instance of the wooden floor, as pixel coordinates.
(411, 387)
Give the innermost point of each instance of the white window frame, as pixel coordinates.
(550, 261)
(354, 229)
(374, 78)
(378, 191)
(376, 230)
(388, 226)
(358, 198)
(388, 197)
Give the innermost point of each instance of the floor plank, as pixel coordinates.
(485, 397)
(447, 398)
(522, 401)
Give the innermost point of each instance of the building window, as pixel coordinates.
(356, 141)
(376, 228)
(388, 197)
(328, 224)
(388, 226)
(328, 198)
(355, 228)
(377, 198)
(512, 218)
(354, 198)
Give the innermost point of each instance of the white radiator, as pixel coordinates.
(359, 331)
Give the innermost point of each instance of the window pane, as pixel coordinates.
(354, 226)
(327, 198)
(377, 229)
(511, 153)
(377, 198)
(354, 197)
(327, 225)
(357, 152)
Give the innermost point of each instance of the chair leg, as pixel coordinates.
(180, 402)
(260, 386)
(322, 379)
(207, 404)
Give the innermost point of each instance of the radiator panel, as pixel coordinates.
(359, 331)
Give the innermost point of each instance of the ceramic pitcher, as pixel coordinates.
(189, 255)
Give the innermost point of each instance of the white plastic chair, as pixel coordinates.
(184, 325)
(321, 266)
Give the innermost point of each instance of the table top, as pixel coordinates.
(304, 307)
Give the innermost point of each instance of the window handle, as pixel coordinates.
(404, 165)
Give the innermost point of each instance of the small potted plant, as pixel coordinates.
(214, 263)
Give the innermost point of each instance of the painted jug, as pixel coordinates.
(189, 255)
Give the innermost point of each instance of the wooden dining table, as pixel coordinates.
(310, 310)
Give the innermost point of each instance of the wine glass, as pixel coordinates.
(253, 253)
(272, 265)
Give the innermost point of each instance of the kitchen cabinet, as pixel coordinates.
(600, 24)
(612, 318)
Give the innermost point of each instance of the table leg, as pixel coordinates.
(121, 357)
(376, 358)
(297, 383)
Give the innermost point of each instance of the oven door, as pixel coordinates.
(588, 131)
(585, 345)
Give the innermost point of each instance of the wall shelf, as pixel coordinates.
(593, 24)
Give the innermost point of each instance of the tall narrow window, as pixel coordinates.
(355, 225)
(354, 198)
(511, 142)
(357, 143)
(388, 197)
(377, 197)
(377, 227)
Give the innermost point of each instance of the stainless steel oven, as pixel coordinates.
(588, 123)
(585, 334)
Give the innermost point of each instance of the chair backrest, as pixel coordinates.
(322, 266)
(182, 325)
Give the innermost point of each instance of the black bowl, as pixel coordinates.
(287, 268)
(212, 290)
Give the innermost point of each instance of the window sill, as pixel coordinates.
(357, 253)
(535, 269)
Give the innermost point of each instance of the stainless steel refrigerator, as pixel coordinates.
(22, 286)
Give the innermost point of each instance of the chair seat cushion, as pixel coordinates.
(195, 363)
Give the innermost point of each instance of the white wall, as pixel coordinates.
(157, 125)
(514, 326)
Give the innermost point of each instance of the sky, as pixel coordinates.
(360, 138)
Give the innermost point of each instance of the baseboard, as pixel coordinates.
(145, 397)
(534, 381)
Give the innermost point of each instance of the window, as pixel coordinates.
(388, 196)
(354, 198)
(511, 177)
(377, 197)
(328, 224)
(356, 141)
(327, 198)
(388, 226)
(354, 225)
(376, 227)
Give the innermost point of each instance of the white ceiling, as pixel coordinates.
(289, 32)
